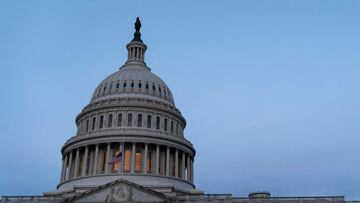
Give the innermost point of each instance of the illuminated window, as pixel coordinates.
(139, 121)
(116, 164)
(158, 123)
(110, 120)
(138, 161)
(149, 121)
(101, 122)
(127, 160)
(129, 119)
(119, 121)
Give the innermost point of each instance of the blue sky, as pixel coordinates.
(270, 89)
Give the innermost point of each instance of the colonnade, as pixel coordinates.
(127, 157)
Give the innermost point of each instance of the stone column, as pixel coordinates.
(176, 163)
(70, 166)
(83, 172)
(133, 151)
(183, 165)
(145, 158)
(192, 170)
(76, 168)
(157, 160)
(122, 159)
(96, 159)
(63, 172)
(167, 161)
(107, 159)
(188, 168)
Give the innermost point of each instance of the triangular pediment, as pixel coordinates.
(120, 191)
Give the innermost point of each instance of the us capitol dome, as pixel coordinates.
(131, 129)
(130, 146)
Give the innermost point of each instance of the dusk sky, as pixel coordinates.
(269, 89)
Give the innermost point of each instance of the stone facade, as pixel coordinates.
(130, 146)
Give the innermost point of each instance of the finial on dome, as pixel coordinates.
(137, 33)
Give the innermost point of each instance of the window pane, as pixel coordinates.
(129, 119)
(110, 120)
(138, 161)
(157, 123)
(93, 123)
(139, 124)
(127, 160)
(149, 121)
(101, 122)
(119, 120)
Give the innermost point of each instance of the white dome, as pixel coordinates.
(133, 80)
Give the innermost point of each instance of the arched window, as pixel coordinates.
(129, 119)
(153, 87)
(139, 121)
(110, 120)
(172, 127)
(101, 122)
(177, 129)
(117, 85)
(147, 86)
(165, 124)
(139, 85)
(119, 120)
(87, 125)
(158, 123)
(149, 121)
(132, 84)
(124, 85)
(93, 123)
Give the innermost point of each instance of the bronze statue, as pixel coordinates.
(137, 34)
(137, 24)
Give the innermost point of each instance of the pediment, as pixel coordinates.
(119, 191)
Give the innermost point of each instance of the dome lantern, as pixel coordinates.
(136, 48)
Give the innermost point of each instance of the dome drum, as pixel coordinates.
(127, 157)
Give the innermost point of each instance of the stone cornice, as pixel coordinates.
(129, 135)
(126, 174)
